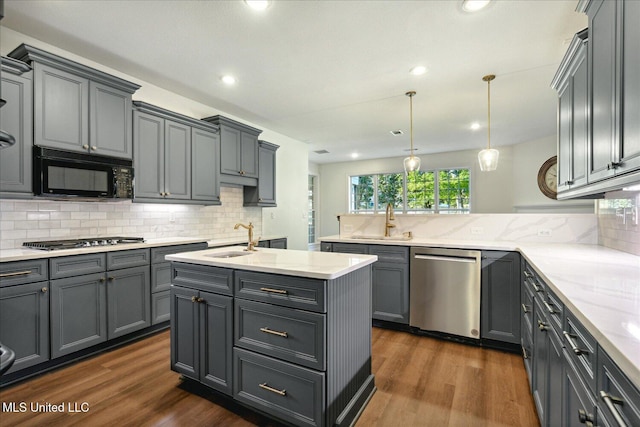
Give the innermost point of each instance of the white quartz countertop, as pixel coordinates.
(317, 265)
(600, 286)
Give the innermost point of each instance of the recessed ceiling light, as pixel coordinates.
(228, 80)
(418, 70)
(475, 126)
(474, 5)
(354, 155)
(257, 4)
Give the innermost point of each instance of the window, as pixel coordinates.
(439, 191)
(312, 209)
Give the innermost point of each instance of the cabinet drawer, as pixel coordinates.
(531, 281)
(126, 259)
(286, 391)
(581, 346)
(288, 291)
(77, 265)
(527, 309)
(555, 310)
(527, 355)
(158, 254)
(22, 272)
(617, 396)
(160, 307)
(160, 277)
(350, 248)
(202, 277)
(326, 246)
(395, 254)
(292, 335)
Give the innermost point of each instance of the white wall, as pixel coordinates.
(511, 188)
(289, 218)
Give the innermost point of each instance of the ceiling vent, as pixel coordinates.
(321, 152)
(396, 132)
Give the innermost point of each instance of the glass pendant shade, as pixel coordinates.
(411, 163)
(488, 159)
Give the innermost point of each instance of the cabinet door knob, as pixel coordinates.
(102, 280)
(94, 148)
(585, 418)
(44, 290)
(194, 299)
(85, 146)
(162, 193)
(614, 165)
(542, 326)
(167, 194)
(111, 279)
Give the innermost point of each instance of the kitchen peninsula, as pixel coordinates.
(284, 332)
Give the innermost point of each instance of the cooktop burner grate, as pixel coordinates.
(53, 245)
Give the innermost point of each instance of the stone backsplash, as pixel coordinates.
(618, 222)
(30, 220)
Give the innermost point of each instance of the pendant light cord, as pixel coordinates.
(488, 79)
(410, 95)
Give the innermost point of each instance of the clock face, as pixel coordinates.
(548, 178)
(551, 177)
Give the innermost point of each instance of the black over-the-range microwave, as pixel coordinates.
(70, 175)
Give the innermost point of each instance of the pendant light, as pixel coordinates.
(488, 157)
(411, 163)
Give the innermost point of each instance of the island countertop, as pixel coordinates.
(316, 265)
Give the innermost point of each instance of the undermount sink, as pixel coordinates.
(231, 254)
(379, 237)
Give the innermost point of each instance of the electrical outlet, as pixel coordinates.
(477, 230)
(545, 232)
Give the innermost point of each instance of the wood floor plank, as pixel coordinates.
(420, 382)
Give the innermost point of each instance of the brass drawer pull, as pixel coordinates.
(574, 347)
(15, 273)
(272, 332)
(275, 291)
(542, 326)
(611, 403)
(273, 390)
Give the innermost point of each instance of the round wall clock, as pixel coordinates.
(548, 178)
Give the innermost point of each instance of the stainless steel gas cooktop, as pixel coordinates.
(53, 245)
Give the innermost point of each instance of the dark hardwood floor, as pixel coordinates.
(421, 381)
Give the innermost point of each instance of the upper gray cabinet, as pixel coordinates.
(78, 108)
(238, 151)
(264, 194)
(175, 157)
(613, 111)
(573, 128)
(16, 119)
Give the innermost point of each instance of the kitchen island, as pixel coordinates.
(286, 333)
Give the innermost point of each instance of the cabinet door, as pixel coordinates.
(630, 67)
(580, 120)
(540, 361)
(185, 332)
(160, 307)
(390, 287)
(501, 309)
(229, 150)
(266, 176)
(216, 341)
(177, 160)
(205, 158)
(24, 323)
(16, 118)
(554, 386)
(128, 300)
(578, 405)
(78, 313)
(248, 155)
(602, 65)
(110, 121)
(565, 145)
(61, 109)
(148, 136)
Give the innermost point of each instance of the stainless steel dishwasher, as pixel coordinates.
(445, 291)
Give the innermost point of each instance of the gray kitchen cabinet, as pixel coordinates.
(278, 243)
(618, 399)
(350, 248)
(238, 151)
(390, 283)
(24, 312)
(202, 329)
(573, 126)
(578, 403)
(205, 154)
(326, 247)
(16, 118)
(500, 288)
(128, 300)
(78, 108)
(78, 313)
(264, 194)
(161, 278)
(174, 155)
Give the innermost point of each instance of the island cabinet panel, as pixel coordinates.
(24, 323)
(284, 390)
(296, 336)
(287, 291)
(205, 278)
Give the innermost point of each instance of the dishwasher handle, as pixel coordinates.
(469, 260)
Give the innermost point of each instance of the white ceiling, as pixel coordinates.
(334, 73)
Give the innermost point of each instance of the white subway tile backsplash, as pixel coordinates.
(616, 227)
(42, 220)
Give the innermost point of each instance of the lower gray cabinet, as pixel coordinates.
(500, 309)
(160, 307)
(24, 323)
(78, 313)
(618, 399)
(278, 243)
(578, 404)
(390, 283)
(128, 301)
